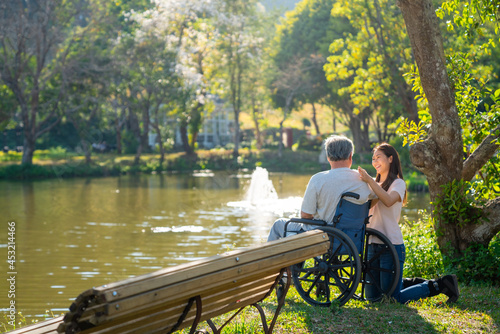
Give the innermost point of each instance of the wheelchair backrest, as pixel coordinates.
(351, 218)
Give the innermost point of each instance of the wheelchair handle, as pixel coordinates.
(350, 194)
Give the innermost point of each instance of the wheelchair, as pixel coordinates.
(345, 271)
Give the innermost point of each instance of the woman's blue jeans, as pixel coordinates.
(383, 280)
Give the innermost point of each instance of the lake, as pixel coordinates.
(73, 234)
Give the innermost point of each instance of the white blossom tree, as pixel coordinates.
(185, 29)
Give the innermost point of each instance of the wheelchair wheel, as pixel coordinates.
(333, 276)
(372, 270)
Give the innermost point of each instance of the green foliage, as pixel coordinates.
(11, 156)
(308, 29)
(129, 142)
(456, 204)
(478, 264)
(423, 258)
(411, 132)
(472, 16)
(300, 48)
(310, 143)
(7, 106)
(369, 63)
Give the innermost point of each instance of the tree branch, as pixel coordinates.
(481, 155)
(481, 233)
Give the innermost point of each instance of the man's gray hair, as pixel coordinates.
(338, 148)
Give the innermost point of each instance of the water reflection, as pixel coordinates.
(77, 233)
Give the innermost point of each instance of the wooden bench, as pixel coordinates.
(183, 296)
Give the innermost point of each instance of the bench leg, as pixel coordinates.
(268, 329)
(281, 301)
(196, 320)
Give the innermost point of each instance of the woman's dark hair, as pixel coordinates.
(395, 170)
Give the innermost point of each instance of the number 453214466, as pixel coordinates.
(11, 246)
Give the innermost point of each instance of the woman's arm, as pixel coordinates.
(387, 198)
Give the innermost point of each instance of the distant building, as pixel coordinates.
(218, 127)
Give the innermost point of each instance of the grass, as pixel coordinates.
(477, 311)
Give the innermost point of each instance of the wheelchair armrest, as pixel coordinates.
(307, 221)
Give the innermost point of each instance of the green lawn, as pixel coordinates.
(477, 311)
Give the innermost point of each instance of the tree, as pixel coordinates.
(112, 23)
(291, 82)
(371, 62)
(186, 30)
(35, 61)
(150, 81)
(456, 118)
(256, 94)
(307, 32)
(239, 42)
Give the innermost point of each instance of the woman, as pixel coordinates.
(390, 188)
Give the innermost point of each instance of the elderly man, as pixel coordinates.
(325, 188)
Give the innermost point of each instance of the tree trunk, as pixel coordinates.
(143, 134)
(184, 138)
(280, 144)
(236, 134)
(28, 149)
(315, 122)
(334, 121)
(118, 128)
(87, 150)
(195, 124)
(359, 134)
(162, 150)
(255, 118)
(138, 153)
(440, 156)
(118, 138)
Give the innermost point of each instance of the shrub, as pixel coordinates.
(11, 156)
(477, 265)
(423, 257)
(310, 143)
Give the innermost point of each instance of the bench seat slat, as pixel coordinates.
(167, 318)
(171, 309)
(43, 327)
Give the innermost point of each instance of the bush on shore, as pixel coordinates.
(109, 164)
(59, 164)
